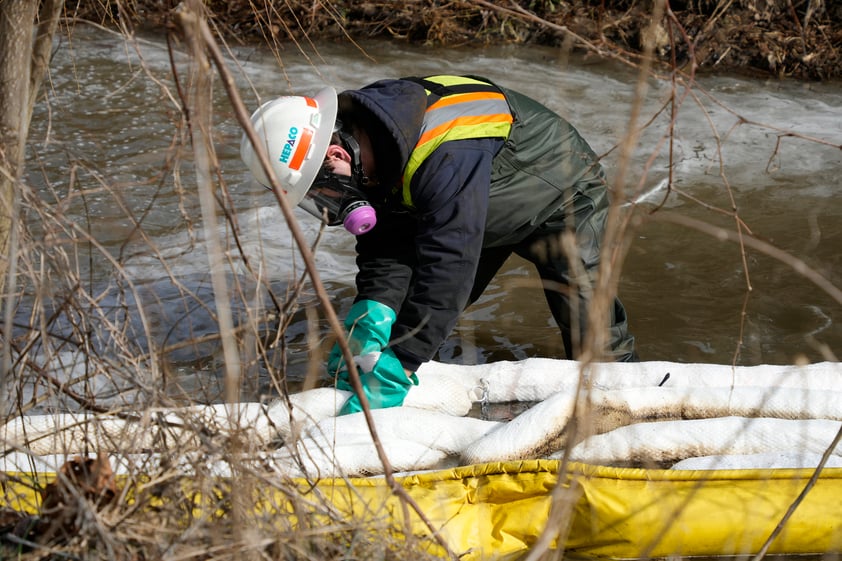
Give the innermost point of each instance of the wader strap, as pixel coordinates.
(440, 90)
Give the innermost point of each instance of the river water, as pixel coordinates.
(102, 144)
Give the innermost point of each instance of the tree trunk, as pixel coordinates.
(16, 20)
(23, 63)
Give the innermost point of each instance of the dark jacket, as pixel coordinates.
(468, 194)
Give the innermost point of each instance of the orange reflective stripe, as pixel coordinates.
(460, 98)
(461, 122)
(458, 113)
(301, 149)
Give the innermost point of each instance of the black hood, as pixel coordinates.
(391, 111)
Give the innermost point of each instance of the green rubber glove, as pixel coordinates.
(384, 382)
(369, 324)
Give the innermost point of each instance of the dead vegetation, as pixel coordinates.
(88, 512)
(778, 38)
(73, 348)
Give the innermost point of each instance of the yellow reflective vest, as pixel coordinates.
(458, 108)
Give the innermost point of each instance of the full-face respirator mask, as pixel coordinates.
(337, 199)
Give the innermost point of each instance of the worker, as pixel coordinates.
(441, 179)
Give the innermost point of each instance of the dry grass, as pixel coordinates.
(797, 38)
(83, 345)
(70, 352)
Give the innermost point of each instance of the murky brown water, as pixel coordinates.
(686, 292)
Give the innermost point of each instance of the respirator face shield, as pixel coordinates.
(333, 198)
(336, 199)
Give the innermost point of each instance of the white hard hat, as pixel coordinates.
(296, 131)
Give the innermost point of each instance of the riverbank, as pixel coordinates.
(799, 39)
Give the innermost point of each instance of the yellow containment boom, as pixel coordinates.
(499, 510)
